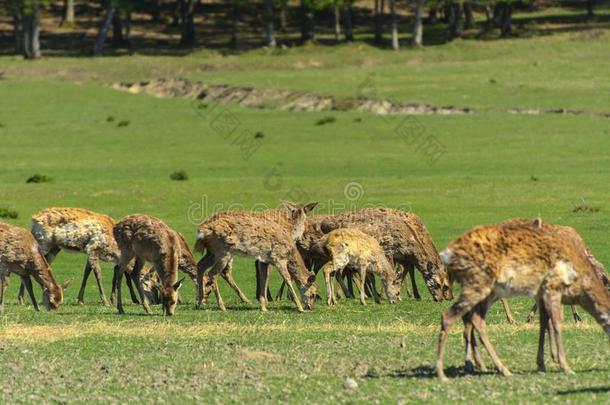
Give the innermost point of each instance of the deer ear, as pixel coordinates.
(66, 284)
(309, 207)
(290, 206)
(179, 284)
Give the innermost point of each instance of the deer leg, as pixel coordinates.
(376, 297)
(227, 274)
(350, 285)
(478, 320)
(411, 270)
(218, 267)
(95, 266)
(478, 360)
(467, 300)
(575, 315)
(507, 311)
(118, 279)
(281, 267)
(20, 295)
(27, 282)
(130, 281)
(362, 273)
(468, 341)
(544, 325)
(280, 292)
(81, 292)
(327, 270)
(532, 314)
(3, 288)
(205, 263)
(136, 275)
(342, 287)
(555, 311)
(263, 270)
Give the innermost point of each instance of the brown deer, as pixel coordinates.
(20, 254)
(148, 239)
(511, 259)
(351, 247)
(568, 232)
(77, 230)
(265, 236)
(405, 241)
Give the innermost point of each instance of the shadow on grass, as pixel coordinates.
(585, 390)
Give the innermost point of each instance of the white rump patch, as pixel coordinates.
(199, 235)
(446, 255)
(566, 272)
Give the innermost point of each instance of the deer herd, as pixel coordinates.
(549, 263)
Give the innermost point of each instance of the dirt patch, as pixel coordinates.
(255, 355)
(288, 100)
(279, 99)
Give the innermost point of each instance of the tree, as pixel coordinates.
(68, 16)
(30, 27)
(395, 44)
(187, 21)
(469, 16)
(590, 8)
(269, 31)
(503, 13)
(379, 14)
(454, 15)
(418, 26)
(100, 40)
(307, 20)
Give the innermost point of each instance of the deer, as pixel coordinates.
(512, 259)
(148, 239)
(78, 230)
(568, 232)
(405, 241)
(351, 247)
(21, 254)
(266, 236)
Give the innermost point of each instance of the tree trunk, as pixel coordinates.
(418, 26)
(395, 44)
(187, 24)
(590, 8)
(31, 31)
(307, 23)
(469, 17)
(349, 28)
(337, 13)
(98, 48)
(117, 31)
(68, 17)
(433, 15)
(379, 10)
(127, 36)
(234, 25)
(270, 36)
(456, 21)
(283, 16)
(18, 31)
(155, 11)
(503, 14)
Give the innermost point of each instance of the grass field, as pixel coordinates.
(113, 152)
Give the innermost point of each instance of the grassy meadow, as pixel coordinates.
(113, 152)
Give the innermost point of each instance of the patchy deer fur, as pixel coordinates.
(404, 239)
(77, 230)
(514, 258)
(567, 232)
(351, 247)
(265, 236)
(21, 254)
(148, 239)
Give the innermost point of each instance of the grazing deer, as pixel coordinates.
(405, 241)
(77, 230)
(145, 238)
(351, 247)
(568, 232)
(510, 259)
(261, 235)
(20, 254)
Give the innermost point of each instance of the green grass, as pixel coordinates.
(494, 166)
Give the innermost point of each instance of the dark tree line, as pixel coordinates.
(272, 14)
